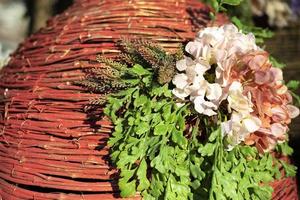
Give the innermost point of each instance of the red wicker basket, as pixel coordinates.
(48, 147)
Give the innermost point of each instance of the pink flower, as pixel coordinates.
(271, 98)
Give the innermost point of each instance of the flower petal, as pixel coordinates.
(180, 81)
(214, 91)
(209, 112)
(180, 93)
(181, 65)
(278, 130)
(198, 101)
(293, 111)
(251, 124)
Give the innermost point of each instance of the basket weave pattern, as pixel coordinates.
(48, 148)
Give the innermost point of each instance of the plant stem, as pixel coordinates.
(217, 163)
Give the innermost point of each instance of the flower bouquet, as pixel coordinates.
(204, 122)
(163, 146)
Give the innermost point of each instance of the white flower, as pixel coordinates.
(204, 107)
(221, 45)
(213, 45)
(241, 123)
(181, 65)
(214, 91)
(191, 82)
(211, 35)
(199, 50)
(181, 94)
(279, 13)
(237, 100)
(239, 127)
(180, 81)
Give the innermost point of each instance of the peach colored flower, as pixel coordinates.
(271, 98)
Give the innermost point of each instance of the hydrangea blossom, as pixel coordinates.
(221, 46)
(213, 45)
(239, 127)
(192, 83)
(242, 123)
(227, 65)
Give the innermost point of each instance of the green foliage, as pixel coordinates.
(242, 12)
(284, 149)
(149, 135)
(218, 5)
(293, 85)
(237, 174)
(290, 170)
(276, 63)
(296, 98)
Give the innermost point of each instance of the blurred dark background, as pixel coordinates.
(40, 10)
(20, 18)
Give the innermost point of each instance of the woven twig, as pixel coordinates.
(49, 149)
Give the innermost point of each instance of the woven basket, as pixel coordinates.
(49, 149)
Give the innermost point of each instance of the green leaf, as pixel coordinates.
(228, 184)
(293, 84)
(142, 176)
(127, 188)
(248, 152)
(147, 196)
(276, 63)
(131, 121)
(147, 81)
(296, 97)
(262, 177)
(142, 128)
(214, 135)
(132, 82)
(262, 192)
(197, 172)
(180, 122)
(161, 91)
(167, 111)
(139, 70)
(215, 5)
(207, 150)
(232, 2)
(178, 138)
(181, 170)
(284, 149)
(160, 129)
(195, 184)
(290, 170)
(140, 101)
